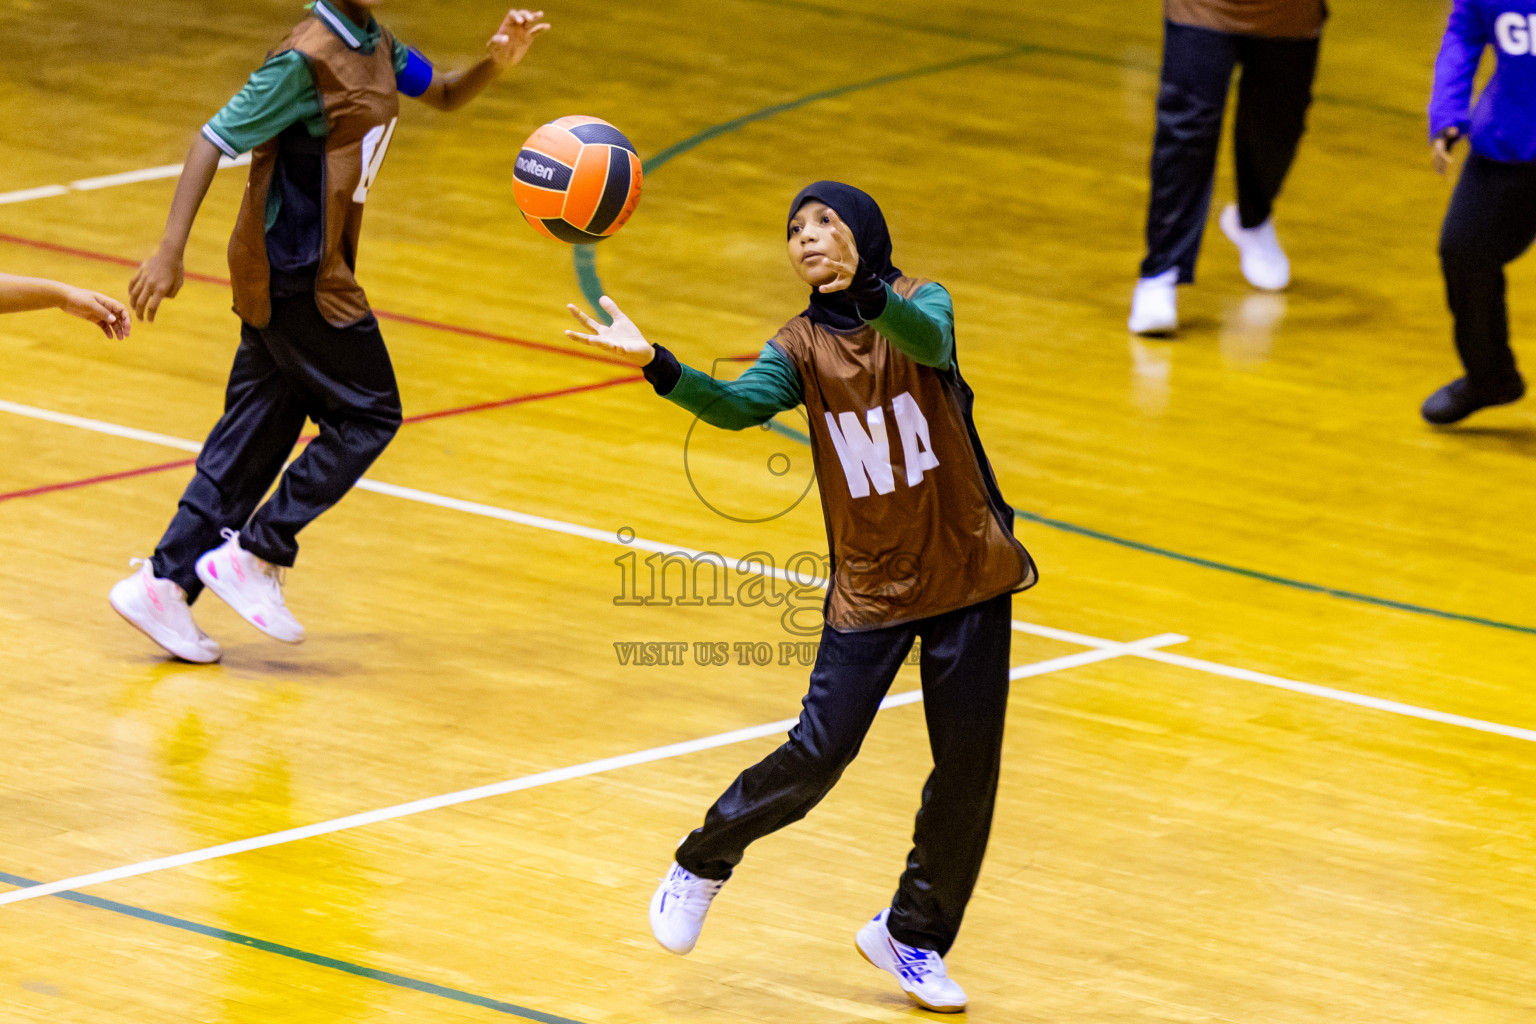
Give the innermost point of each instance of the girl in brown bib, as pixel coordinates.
(317, 118)
(922, 547)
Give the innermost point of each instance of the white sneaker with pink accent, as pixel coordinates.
(158, 609)
(252, 586)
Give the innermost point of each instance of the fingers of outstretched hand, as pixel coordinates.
(583, 319)
(611, 306)
(590, 339)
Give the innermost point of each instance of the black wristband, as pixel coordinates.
(867, 293)
(664, 371)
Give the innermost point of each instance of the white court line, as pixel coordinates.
(579, 771)
(110, 181)
(1066, 636)
(132, 434)
(1281, 683)
(1342, 696)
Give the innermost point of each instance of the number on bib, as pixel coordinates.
(375, 145)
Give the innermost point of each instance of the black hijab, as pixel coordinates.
(840, 310)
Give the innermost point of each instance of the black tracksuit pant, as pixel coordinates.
(964, 663)
(298, 367)
(1272, 100)
(1491, 221)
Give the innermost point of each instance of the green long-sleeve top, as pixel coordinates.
(923, 327)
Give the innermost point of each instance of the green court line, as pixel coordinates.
(1206, 563)
(1284, 581)
(592, 289)
(586, 255)
(387, 977)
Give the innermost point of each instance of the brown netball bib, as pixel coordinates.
(358, 95)
(916, 524)
(1276, 19)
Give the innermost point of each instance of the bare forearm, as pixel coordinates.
(459, 87)
(19, 294)
(196, 176)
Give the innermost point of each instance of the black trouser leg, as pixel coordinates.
(1273, 96)
(1491, 221)
(1197, 71)
(263, 417)
(852, 675)
(965, 698)
(349, 384)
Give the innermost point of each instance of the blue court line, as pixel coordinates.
(387, 977)
(592, 288)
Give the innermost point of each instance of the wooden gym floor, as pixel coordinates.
(1317, 807)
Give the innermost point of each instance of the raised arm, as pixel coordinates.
(923, 326)
(768, 387)
(450, 90)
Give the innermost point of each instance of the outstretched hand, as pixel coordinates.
(846, 263)
(516, 34)
(621, 337)
(102, 310)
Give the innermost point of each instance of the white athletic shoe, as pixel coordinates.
(1265, 264)
(1155, 304)
(251, 586)
(921, 972)
(158, 609)
(678, 908)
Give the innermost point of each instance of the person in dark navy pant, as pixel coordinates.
(1492, 217)
(1276, 44)
(317, 118)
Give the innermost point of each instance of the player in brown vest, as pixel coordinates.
(319, 115)
(922, 547)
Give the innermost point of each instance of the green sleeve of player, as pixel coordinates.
(923, 326)
(279, 93)
(768, 387)
(401, 55)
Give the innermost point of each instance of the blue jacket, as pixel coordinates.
(1503, 125)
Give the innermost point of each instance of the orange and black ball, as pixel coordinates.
(577, 180)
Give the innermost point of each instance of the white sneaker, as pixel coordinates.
(158, 609)
(921, 972)
(1265, 264)
(1155, 304)
(251, 586)
(678, 908)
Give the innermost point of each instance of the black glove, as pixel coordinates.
(867, 293)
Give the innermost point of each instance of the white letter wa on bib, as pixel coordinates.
(866, 457)
(375, 145)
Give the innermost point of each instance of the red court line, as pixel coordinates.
(503, 403)
(382, 314)
(520, 399)
(70, 485)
